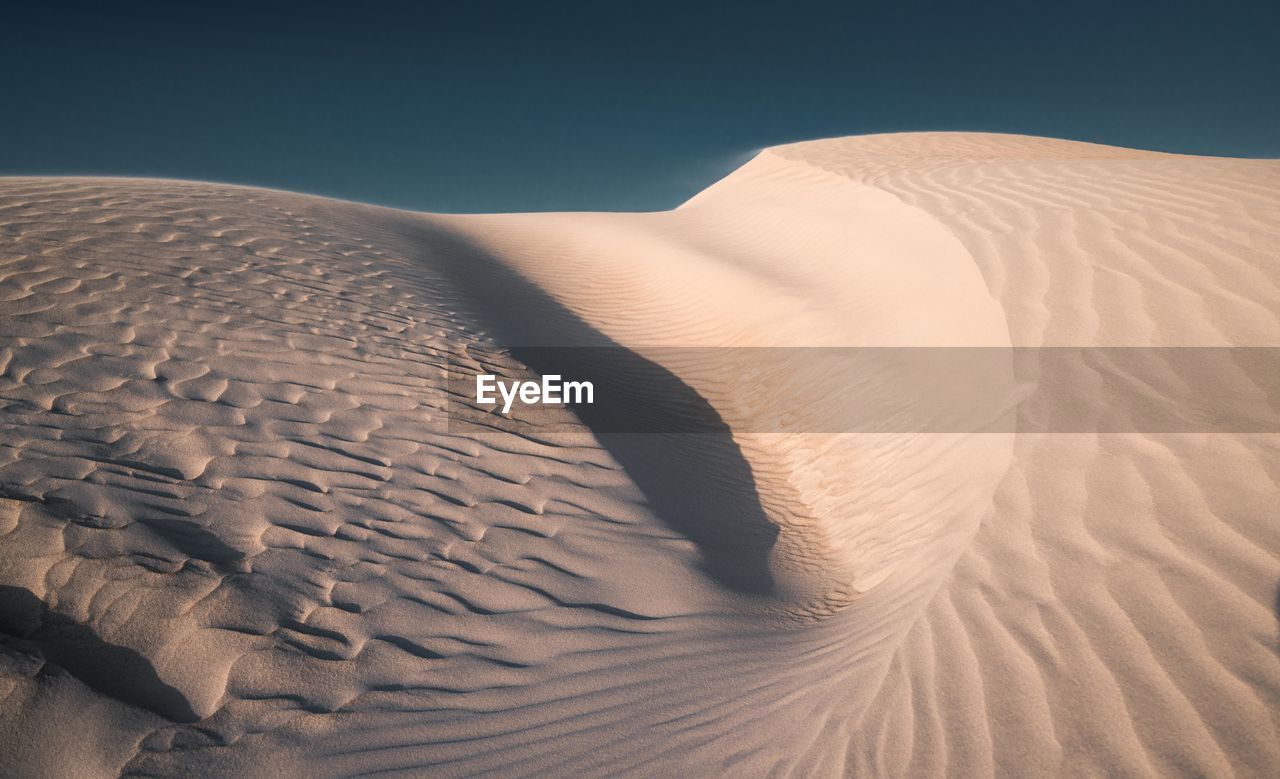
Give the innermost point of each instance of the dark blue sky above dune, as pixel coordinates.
(603, 105)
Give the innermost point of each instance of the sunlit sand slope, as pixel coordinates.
(1117, 611)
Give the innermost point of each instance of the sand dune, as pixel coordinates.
(239, 533)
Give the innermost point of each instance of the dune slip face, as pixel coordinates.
(244, 529)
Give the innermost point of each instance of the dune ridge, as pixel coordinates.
(225, 462)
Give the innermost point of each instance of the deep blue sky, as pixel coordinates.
(494, 106)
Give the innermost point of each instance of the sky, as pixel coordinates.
(605, 105)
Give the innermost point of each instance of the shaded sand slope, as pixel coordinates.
(226, 472)
(226, 460)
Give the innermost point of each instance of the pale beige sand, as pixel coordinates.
(236, 535)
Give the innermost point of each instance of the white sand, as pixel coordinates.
(236, 536)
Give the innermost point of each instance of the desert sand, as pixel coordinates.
(238, 535)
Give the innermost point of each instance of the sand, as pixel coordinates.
(239, 536)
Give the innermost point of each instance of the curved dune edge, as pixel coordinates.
(225, 472)
(779, 254)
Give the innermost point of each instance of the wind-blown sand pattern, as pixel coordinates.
(238, 535)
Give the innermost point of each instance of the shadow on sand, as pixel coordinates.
(28, 625)
(698, 483)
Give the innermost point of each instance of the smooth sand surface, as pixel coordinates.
(238, 535)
